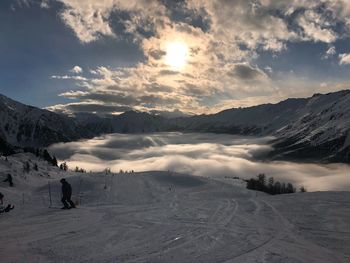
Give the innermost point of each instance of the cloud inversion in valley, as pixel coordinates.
(209, 155)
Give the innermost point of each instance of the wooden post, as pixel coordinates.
(50, 194)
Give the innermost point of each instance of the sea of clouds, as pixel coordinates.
(210, 155)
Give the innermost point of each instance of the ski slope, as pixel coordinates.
(167, 217)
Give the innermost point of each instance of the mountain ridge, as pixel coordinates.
(317, 127)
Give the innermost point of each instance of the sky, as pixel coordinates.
(196, 56)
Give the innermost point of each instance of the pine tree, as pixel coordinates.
(303, 189)
(47, 157)
(26, 167)
(64, 166)
(261, 182)
(290, 188)
(270, 185)
(54, 161)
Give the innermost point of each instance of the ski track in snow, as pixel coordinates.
(167, 217)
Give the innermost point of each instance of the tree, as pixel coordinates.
(64, 166)
(290, 188)
(283, 188)
(270, 185)
(277, 188)
(26, 167)
(54, 161)
(262, 179)
(261, 184)
(35, 167)
(47, 157)
(302, 189)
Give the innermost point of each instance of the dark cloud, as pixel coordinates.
(156, 87)
(159, 100)
(118, 98)
(156, 54)
(168, 72)
(245, 72)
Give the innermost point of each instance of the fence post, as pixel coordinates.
(50, 194)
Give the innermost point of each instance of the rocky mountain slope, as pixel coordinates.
(321, 132)
(27, 126)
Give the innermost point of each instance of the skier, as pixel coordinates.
(66, 194)
(9, 179)
(6, 209)
(2, 207)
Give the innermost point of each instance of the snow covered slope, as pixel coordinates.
(322, 132)
(315, 128)
(166, 217)
(23, 125)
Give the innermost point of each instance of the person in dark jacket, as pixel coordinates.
(4, 209)
(66, 195)
(1, 199)
(9, 179)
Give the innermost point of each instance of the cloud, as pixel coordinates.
(344, 59)
(246, 72)
(76, 70)
(90, 19)
(88, 107)
(199, 154)
(223, 39)
(45, 4)
(316, 27)
(331, 51)
(79, 78)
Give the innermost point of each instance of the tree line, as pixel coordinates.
(270, 186)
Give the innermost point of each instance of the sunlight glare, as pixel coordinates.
(176, 55)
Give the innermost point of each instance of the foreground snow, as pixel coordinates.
(167, 217)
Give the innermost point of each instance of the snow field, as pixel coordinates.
(166, 217)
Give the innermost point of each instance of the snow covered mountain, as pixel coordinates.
(322, 131)
(22, 125)
(264, 119)
(315, 128)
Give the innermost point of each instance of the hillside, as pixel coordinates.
(322, 132)
(166, 217)
(27, 126)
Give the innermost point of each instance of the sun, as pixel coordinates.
(176, 55)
